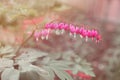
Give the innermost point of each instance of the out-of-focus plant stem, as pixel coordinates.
(23, 43)
(26, 40)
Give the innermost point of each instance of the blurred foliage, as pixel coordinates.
(13, 11)
(112, 56)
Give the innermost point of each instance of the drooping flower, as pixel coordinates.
(60, 28)
(36, 35)
(73, 30)
(43, 34)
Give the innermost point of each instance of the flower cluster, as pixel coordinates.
(43, 34)
(74, 30)
(60, 28)
(79, 75)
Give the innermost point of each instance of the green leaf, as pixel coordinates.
(83, 66)
(10, 74)
(30, 55)
(61, 74)
(57, 68)
(6, 50)
(63, 65)
(51, 73)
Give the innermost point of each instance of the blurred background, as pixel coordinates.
(15, 16)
